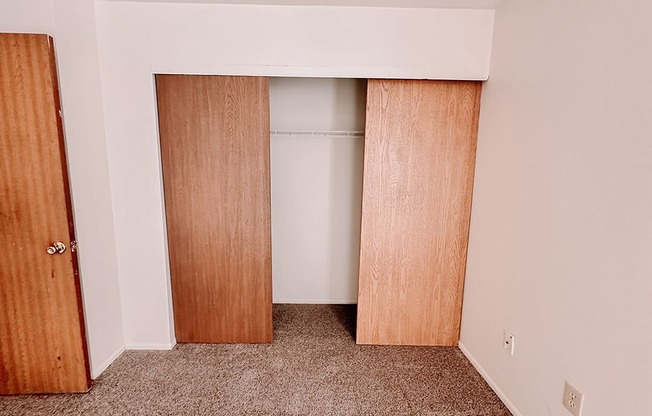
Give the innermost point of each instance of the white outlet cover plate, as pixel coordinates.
(508, 343)
(573, 400)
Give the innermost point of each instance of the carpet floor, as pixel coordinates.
(313, 367)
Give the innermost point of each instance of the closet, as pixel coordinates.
(419, 152)
(317, 151)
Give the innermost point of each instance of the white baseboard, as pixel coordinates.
(317, 301)
(96, 371)
(158, 347)
(501, 394)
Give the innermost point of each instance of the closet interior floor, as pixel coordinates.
(313, 367)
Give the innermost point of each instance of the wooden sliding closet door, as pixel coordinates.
(418, 177)
(214, 133)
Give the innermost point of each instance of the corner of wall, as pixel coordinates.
(82, 107)
(492, 383)
(98, 369)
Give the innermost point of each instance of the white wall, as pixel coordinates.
(561, 234)
(72, 25)
(26, 16)
(139, 39)
(427, 4)
(316, 188)
(81, 95)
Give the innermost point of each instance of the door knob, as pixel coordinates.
(57, 247)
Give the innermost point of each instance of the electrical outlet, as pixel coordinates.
(573, 400)
(508, 343)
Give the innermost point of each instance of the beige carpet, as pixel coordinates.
(312, 368)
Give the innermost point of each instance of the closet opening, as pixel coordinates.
(317, 143)
(262, 181)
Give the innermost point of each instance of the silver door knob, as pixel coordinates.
(57, 247)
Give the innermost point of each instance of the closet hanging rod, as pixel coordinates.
(329, 133)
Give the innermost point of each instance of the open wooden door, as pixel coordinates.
(418, 178)
(42, 340)
(214, 133)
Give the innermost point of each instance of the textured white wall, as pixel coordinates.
(316, 189)
(81, 95)
(139, 39)
(26, 16)
(561, 233)
(426, 4)
(72, 25)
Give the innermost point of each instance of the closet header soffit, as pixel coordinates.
(406, 4)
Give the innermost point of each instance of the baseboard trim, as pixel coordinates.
(158, 347)
(316, 301)
(499, 392)
(97, 371)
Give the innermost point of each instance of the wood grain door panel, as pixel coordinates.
(419, 162)
(214, 133)
(42, 340)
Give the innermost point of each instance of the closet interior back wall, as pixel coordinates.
(317, 143)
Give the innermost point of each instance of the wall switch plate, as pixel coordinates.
(573, 400)
(508, 343)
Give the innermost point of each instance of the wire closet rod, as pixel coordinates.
(352, 133)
